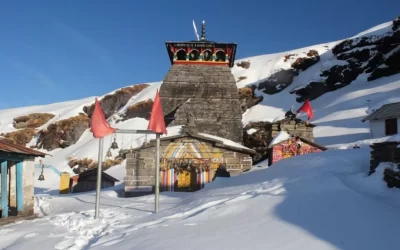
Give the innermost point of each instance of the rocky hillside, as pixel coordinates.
(268, 86)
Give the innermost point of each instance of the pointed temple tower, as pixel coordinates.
(201, 88)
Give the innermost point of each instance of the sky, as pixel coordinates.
(54, 51)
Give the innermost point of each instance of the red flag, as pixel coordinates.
(306, 108)
(156, 122)
(98, 123)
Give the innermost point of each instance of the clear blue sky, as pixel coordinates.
(53, 51)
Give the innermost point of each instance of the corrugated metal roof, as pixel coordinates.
(391, 110)
(12, 148)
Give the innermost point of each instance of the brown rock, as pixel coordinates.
(113, 102)
(21, 136)
(33, 120)
(244, 64)
(63, 133)
(141, 109)
(248, 98)
(241, 78)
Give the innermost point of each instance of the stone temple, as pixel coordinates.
(201, 88)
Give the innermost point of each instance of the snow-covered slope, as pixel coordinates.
(318, 202)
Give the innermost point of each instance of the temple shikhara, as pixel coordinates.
(198, 93)
(200, 85)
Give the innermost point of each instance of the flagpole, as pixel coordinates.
(98, 183)
(157, 185)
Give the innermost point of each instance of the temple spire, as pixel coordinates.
(203, 31)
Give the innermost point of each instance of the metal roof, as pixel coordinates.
(12, 148)
(391, 110)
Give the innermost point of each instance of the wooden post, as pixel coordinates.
(20, 186)
(4, 192)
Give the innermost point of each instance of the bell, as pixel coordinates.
(114, 145)
(109, 154)
(120, 153)
(41, 177)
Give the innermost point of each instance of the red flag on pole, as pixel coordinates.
(98, 123)
(306, 108)
(156, 123)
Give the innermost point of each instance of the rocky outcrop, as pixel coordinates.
(141, 110)
(243, 64)
(21, 136)
(277, 81)
(33, 120)
(208, 94)
(248, 98)
(288, 56)
(257, 135)
(241, 78)
(376, 55)
(303, 63)
(63, 133)
(113, 102)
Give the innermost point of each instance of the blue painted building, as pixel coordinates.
(17, 179)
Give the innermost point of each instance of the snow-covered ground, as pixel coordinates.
(318, 201)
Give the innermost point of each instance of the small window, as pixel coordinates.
(181, 55)
(220, 56)
(194, 55)
(391, 126)
(207, 55)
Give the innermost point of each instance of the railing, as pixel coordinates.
(55, 170)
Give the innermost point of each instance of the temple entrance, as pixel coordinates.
(185, 174)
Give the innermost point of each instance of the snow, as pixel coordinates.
(394, 138)
(318, 201)
(224, 141)
(280, 137)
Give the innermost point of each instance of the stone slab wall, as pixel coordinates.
(293, 128)
(384, 152)
(209, 94)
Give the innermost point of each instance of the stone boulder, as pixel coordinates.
(33, 120)
(248, 98)
(278, 81)
(257, 135)
(63, 133)
(113, 102)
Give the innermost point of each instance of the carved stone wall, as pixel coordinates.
(209, 93)
(294, 127)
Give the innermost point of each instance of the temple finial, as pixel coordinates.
(203, 31)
